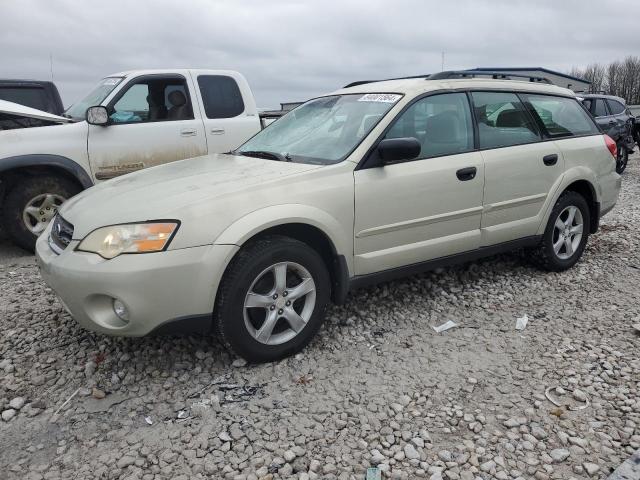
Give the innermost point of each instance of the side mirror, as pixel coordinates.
(392, 150)
(97, 116)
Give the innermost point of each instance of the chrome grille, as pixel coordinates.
(61, 234)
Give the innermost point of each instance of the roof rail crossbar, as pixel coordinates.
(485, 73)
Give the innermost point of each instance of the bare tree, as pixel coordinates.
(620, 78)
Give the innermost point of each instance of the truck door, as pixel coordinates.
(151, 121)
(229, 112)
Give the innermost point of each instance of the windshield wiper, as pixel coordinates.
(266, 154)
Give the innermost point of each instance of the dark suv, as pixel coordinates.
(615, 119)
(37, 94)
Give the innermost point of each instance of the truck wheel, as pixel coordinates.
(272, 299)
(622, 158)
(566, 234)
(30, 205)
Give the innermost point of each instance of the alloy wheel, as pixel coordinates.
(40, 210)
(279, 303)
(567, 232)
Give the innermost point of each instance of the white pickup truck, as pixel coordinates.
(129, 121)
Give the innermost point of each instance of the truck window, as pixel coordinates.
(153, 99)
(561, 117)
(34, 97)
(221, 96)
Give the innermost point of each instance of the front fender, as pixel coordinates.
(243, 229)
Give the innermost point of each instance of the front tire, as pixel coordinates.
(30, 205)
(566, 234)
(272, 299)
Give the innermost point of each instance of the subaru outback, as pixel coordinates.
(371, 182)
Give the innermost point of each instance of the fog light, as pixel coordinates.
(120, 310)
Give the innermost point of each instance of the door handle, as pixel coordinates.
(612, 122)
(217, 131)
(188, 132)
(465, 174)
(550, 159)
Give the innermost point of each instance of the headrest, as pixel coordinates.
(177, 98)
(511, 119)
(443, 128)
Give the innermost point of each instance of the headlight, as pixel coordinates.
(109, 242)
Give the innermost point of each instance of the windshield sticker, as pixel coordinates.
(380, 97)
(111, 81)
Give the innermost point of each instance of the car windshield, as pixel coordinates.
(78, 110)
(322, 131)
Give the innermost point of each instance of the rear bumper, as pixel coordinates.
(161, 291)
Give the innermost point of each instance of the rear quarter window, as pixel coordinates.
(221, 96)
(616, 107)
(561, 116)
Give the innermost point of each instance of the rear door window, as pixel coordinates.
(598, 108)
(221, 96)
(503, 120)
(561, 116)
(616, 107)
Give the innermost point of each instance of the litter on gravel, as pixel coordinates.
(521, 322)
(445, 326)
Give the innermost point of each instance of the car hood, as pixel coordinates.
(226, 185)
(28, 112)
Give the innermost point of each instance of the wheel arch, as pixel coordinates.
(14, 167)
(581, 181)
(310, 225)
(588, 192)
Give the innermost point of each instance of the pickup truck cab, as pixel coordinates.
(152, 117)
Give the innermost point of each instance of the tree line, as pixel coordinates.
(620, 78)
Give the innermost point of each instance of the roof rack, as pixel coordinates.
(496, 75)
(452, 74)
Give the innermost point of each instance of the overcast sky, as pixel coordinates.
(293, 50)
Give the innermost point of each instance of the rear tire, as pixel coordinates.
(272, 299)
(622, 158)
(566, 234)
(31, 203)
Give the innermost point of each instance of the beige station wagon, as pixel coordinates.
(368, 183)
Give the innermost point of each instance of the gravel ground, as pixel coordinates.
(377, 387)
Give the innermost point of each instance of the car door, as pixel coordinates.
(620, 117)
(426, 208)
(520, 169)
(228, 120)
(151, 122)
(604, 118)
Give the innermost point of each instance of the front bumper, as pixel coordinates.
(156, 288)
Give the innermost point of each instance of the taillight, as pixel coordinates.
(611, 145)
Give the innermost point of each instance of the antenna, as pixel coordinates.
(442, 69)
(51, 64)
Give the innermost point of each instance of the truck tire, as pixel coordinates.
(566, 234)
(31, 203)
(272, 299)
